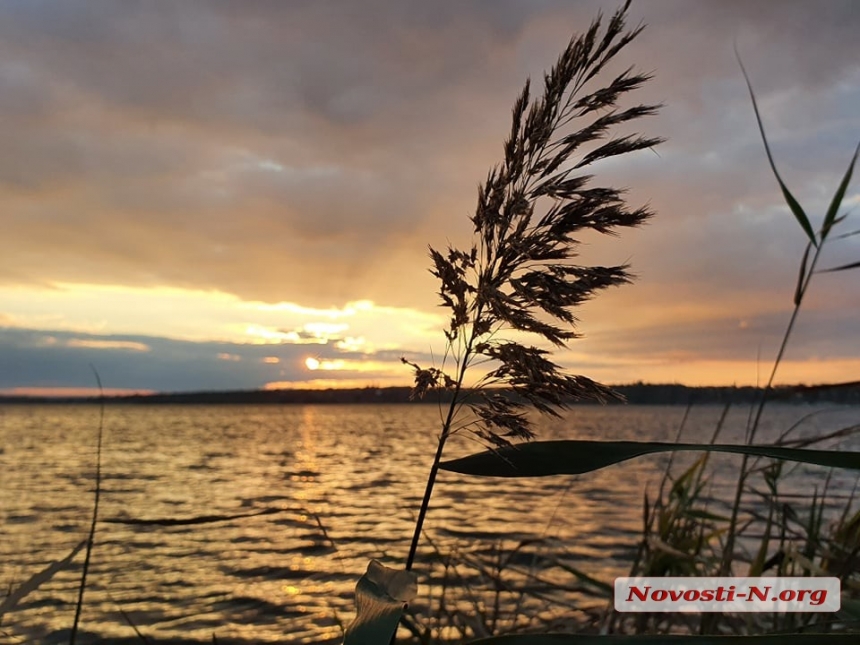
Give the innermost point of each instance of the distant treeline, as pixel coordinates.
(637, 393)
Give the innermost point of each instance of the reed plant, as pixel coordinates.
(518, 274)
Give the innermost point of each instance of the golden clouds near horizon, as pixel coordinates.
(202, 316)
(339, 383)
(359, 344)
(108, 344)
(350, 365)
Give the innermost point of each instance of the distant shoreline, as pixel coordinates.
(638, 394)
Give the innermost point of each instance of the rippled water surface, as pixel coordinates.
(341, 483)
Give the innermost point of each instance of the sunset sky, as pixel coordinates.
(237, 195)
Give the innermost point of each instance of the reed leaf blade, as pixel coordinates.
(575, 457)
(793, 204)
(830, 217)
(844, 267)
(801, 277)
(847, 235)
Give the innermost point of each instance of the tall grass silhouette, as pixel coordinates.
(518, 274)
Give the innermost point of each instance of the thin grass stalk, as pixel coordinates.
(92, 534)
(709, 621)
(140, 636)
(670, 461)
(789, 328)
(434, 469)
(744, 472)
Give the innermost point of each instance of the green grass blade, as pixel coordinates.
(844, 267)
(798, 290)
(379, 599)
(604, 587)
(795, 207)
(830, 217)
(705, 515)
(847, 235)
(573, 457)
(588, 639)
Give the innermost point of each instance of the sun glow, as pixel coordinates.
(316, 364)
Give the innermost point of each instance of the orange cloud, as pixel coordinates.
(108, 344)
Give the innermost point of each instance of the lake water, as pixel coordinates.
(344, 485)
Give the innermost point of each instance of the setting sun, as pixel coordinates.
(311, 363)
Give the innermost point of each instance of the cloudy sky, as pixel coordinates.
(233, 195)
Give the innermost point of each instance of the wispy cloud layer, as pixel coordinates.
(203, 176)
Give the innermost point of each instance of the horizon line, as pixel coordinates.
(114, 394)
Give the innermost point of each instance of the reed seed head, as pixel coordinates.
(518, 274)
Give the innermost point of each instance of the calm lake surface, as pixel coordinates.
(343, 483)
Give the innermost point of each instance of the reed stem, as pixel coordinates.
(434, 469)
